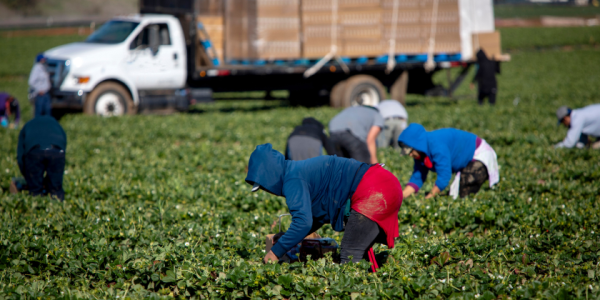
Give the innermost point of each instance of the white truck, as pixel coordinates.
(152, 61)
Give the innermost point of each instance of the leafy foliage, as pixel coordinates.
(157, 206)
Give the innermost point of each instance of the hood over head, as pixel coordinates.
(267, 168)
(415, 136)
(481, 56)
(312, 121)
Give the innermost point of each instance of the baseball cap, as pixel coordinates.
(39, 57)
(562, 112)
(255, 187)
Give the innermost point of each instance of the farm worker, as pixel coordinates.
(9, 106)
(307, 141)
(41, 149)
(354, 133)
(327, 189)
(446, 151)
(486, 78)
(39, 85)
(395, 119)
(582, 123)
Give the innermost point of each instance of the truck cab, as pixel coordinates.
(129, 65)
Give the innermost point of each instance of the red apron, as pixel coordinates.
(379, 197)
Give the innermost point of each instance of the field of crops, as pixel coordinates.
(157, 206)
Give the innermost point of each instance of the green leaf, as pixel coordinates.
(285, 280)
(170, 277)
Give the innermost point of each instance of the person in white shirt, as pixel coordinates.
(39, 85)
(396, 120)
(582, 124)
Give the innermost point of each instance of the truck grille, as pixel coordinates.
(58, 70)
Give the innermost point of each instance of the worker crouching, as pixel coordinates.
(329, 189)
(446, 151)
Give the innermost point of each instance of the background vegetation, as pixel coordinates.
(157, 206)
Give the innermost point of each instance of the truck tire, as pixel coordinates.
(109, 99)
(337, 92)
(362, 90)
(398, 89)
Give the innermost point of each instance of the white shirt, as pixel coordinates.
(39, 79)
(584, 120)
(392, 108)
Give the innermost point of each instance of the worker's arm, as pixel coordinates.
(21, 149)
(372, 142)
(297, 197)
(416, 180)
(440, 157)
(573, 134)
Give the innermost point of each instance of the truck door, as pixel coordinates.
(151, 63)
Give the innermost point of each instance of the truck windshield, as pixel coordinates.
(113, 32)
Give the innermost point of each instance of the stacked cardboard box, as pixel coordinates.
(213, 25)
(358, 28)
(262, 29)
(288, 29)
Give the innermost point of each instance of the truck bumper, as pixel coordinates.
(70, 100)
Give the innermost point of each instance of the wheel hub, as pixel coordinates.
(109, 104)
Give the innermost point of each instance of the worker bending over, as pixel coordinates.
(582, 123)
(9, 106)
(354, 133)
(446, 151)
(327, 189)
(395, 118)
(41, 149)
(307, 141)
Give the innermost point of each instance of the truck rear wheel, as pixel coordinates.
(362, 90)
(337, 93)
(398, 89)
(109, 99)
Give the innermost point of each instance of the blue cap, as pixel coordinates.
(39, 57)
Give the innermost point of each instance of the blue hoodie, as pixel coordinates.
(316, 190)
(449, 150)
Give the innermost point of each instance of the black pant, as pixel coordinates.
(349, 146)
(49, 161)
(360, 235)
(490, 94)
(472, 178)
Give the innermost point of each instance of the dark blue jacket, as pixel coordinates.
(316, 190)
(449, 150)
(42, 131)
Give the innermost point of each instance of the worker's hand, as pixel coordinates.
(408, 190)
(271, 258)
(433, 192)
(472, 86)
(41, 93)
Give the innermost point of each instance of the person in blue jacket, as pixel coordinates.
(447, 151)
(327, 189)
(41, 156)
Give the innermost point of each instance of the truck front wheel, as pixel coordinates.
(362, 90)
(109, 99)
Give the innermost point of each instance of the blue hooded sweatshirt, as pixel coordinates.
(449, 150)
(316, 190)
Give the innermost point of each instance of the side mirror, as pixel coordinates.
(153, 38)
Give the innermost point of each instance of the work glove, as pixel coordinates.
(4, 122)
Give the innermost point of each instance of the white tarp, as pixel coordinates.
(476, 16)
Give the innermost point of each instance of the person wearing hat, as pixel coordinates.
(395, 119)
(446, 151)
(307, 141)
(582, 123)
(39, 85)
(327, 190)
(9, 106)
(354, 133)
(41, 150)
